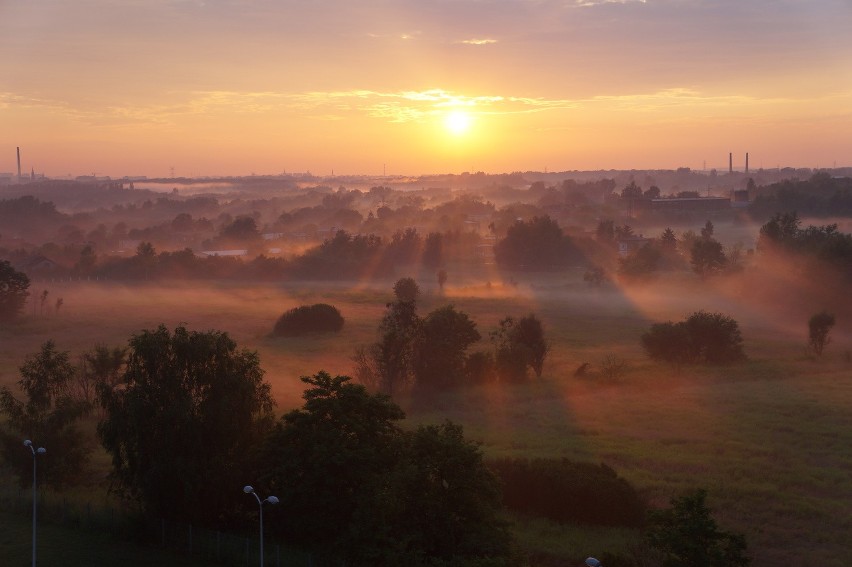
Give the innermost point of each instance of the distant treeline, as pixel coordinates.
(821, 195)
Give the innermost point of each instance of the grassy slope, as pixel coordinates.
(771, 439)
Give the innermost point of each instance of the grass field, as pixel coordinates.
(771, 439)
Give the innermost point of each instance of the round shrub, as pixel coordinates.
(306, 319)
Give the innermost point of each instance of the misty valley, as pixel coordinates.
(460, 370)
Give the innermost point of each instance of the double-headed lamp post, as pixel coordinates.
(35, 452)
(272, 500)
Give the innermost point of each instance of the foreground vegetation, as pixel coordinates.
(769, 438)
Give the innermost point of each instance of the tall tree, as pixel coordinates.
(440, 347)
(181, 428)
(48, 417)
(819, 326)
(14, 286)
(520, 344)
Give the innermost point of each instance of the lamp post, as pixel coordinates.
(272, 500)
(35, 452)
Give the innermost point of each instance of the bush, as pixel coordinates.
(570, 492)
(306, 319)
(708, 338)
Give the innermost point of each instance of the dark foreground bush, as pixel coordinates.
(317, 318)
(569, 492)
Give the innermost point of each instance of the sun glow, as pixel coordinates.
(457, 122)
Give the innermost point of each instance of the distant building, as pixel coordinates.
(683, 205)
(740, 199)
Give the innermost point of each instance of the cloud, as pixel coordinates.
(478, 41)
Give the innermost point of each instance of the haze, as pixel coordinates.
(193, 88)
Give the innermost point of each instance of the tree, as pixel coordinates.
(707, 338)
(181, 429)
(707, 256)
(605, 231)
(101, 365)
(707, 231)
(440, 347)
(668, 240)
(442, 278)
(367, 493)
(406, 289)
(595, 276)
(14, 286)
(640, 263)
(388, 363)
(538, 243)
(433, 250)
(686, 535)
(519, 345)
(329, 461)
(243, 229)
(819, 326)
(48, 417)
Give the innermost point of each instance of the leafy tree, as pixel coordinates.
(242, 229)
(708, 338)
(329, 461)
(88, 258)
(388, 363)
(48, 417)
(707, 256)
(538, 243)
(366, 492)
(433, 250)
(101, 365)
(451, 501)
(180, 430)
(442, 278)
(622, 232)
(406, 289)
(306, 319)
(520, 345)
(707, 231)
(686, 535)
(668, 240)
(640, 263)
(440, 346)
(819, 326)
(14, 286)
(653, 192)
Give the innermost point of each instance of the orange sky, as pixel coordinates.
(233, 87)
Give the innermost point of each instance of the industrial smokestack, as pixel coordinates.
(19, 165)
(730, 162)
(746, 162)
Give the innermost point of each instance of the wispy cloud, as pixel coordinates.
(478, 41)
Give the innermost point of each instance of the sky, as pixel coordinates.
(407, 87)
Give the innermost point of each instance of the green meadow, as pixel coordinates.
(770, 439)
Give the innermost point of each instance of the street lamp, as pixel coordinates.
(35, 452)
(592, 562)
(272, 500)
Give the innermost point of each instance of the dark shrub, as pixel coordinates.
(306, 319)
(703, 338)
(568, 492)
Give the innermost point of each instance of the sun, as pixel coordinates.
(457, 122)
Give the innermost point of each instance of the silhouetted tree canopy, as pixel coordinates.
(703, 338)
(48, 417)
(686, 535)
(14, 286)
(366, 492)
(307, 319)
(181, 428)
(536, 244)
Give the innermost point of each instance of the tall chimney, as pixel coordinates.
(746, 162)
(730, 163)
(19, 165)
